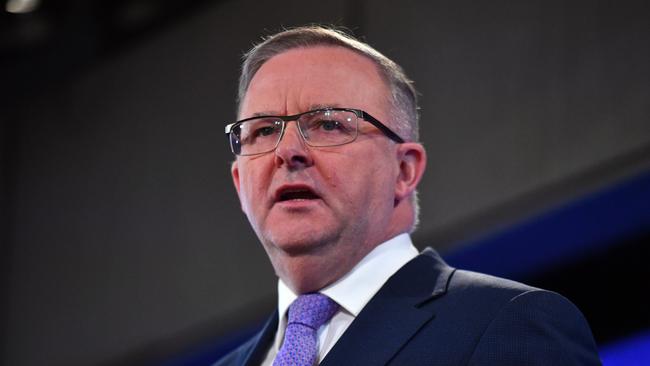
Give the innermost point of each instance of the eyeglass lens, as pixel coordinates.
(318, 128)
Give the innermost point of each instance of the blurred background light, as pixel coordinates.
(632, 351)
(21, 6)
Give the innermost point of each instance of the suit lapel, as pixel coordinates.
(261, 343)
(393, 315)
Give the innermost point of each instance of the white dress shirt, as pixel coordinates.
(352, 292)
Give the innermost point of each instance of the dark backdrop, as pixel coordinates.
(122, 238)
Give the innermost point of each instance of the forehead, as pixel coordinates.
(298, 79)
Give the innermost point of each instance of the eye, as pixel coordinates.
(327, 123)
(265, 131)
(262, 128)
(330, 125)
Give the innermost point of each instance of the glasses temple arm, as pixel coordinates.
(382, 127)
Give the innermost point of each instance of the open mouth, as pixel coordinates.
(296, 193)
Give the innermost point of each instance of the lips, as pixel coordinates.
(295, 193)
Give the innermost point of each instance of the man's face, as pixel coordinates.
(319, 210)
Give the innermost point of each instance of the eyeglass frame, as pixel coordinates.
(285, 119)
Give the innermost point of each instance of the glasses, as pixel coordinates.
(318, 128)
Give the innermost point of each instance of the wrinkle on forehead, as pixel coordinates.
(312, 107)
(304, 79)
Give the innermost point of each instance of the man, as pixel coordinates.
(327, 165)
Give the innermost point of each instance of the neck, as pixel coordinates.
(309, 272)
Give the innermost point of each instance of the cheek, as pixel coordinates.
(251, 184)
(334, 179)
(382, 181)
(340, 176)
(354, 187)
(356, 179)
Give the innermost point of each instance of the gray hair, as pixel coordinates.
(403, 96)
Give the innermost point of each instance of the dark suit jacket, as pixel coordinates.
(429, 313)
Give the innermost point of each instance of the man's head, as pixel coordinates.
(318, 209)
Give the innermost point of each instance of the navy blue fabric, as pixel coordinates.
(431, 314)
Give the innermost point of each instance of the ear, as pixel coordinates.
(234, 172)
(412, 159)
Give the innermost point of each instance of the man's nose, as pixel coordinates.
(292, 149)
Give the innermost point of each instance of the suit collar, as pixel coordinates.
(355, 289)
(370, 341)
(260, 343)
(439, 270)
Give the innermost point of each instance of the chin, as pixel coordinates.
(307, 272)
(300, 243)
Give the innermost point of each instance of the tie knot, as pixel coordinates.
(312, 310)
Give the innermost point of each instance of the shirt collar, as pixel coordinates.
(355, 289)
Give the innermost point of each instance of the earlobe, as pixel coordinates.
(412, 160)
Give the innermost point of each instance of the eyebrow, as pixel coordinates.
(324, 106)
(311, 108)
(263, 114)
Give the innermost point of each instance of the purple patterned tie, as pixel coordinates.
(306, 314)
